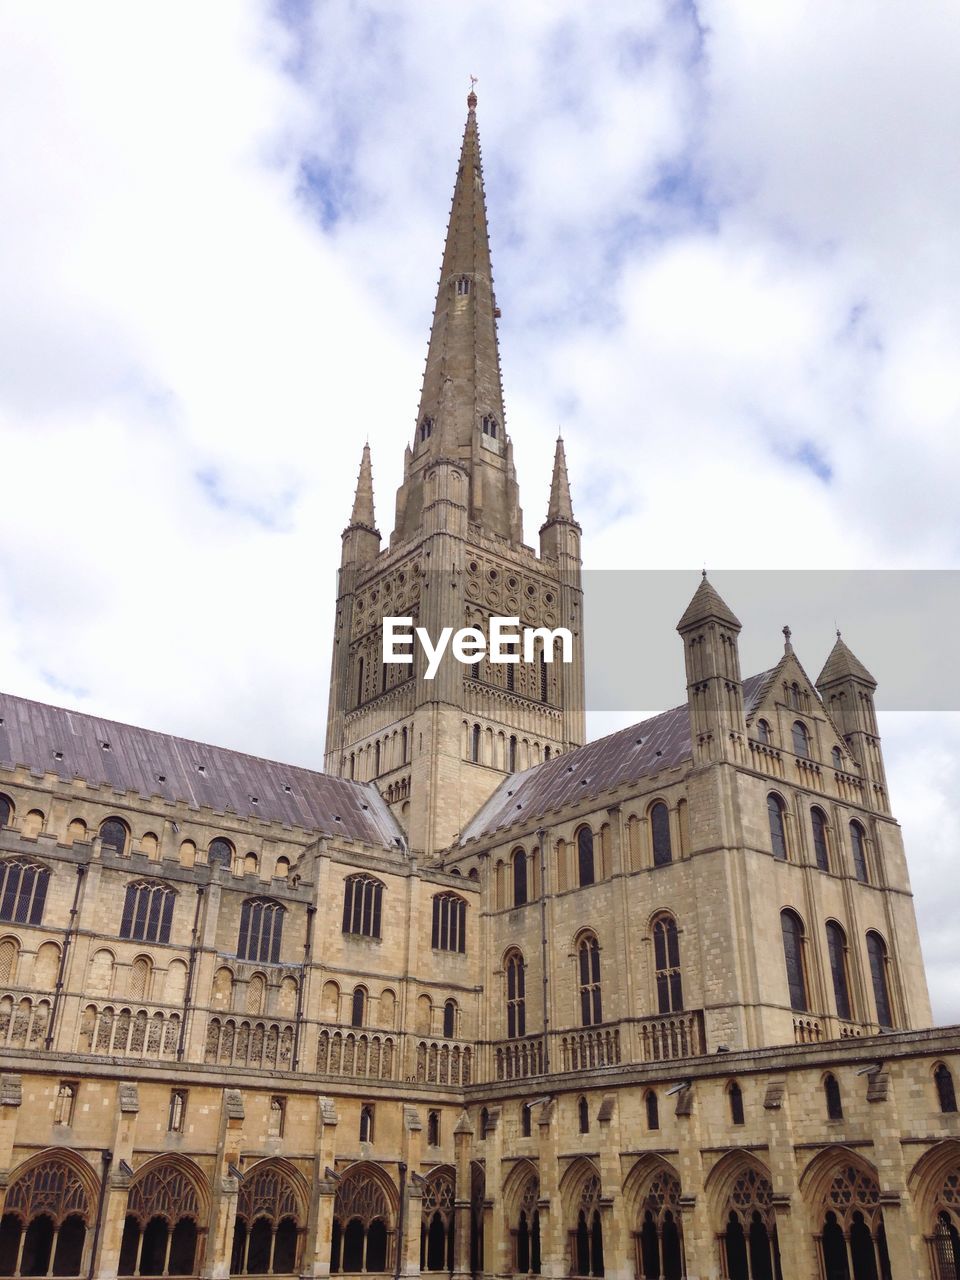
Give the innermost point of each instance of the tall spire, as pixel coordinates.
(363, 514)
(461, 414)
(561, 506)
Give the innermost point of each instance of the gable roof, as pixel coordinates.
(639, 751)
(32, 733)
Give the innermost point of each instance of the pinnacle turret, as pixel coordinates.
(707, 604)
(363, 514)
(842, 664)
(561, 506)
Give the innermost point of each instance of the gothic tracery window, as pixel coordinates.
(666, 957)
(588, 960)
(261, 930)
(793, 939)
(587, 1242)
(362, 906)
(362, 1225)
(46, 1216)
(516, 996)
(527, 1233)
(147, 911)
(23, 891)
(449, 922)
(749, 1241)
(269, 1224)
(437, 1222)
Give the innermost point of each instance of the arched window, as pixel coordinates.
(653, 1110)
(463, 286)
(859, 846)
(820, 850)
(362, 906)
(837, 949)
(660, 831)
(792, 928)
(795, 701)
(831, 1093)
(376, 750)
(666, 955)
(449, 922)
(426, 429)
(526, 1121)
(763, 732)
(220, 853)
(23, 891)
(475, 744)
(527, 1235)
(946, 1094)
(519, 877)
(261, 928)
(358, 1006)
(837, 757)
(778, 831)
(588, 951)
(512, 754)
(47, 1213)
(587, 1243)
(877, 953)
(801, 740)
(450, 1019)
(269, 1223)
(433, 1128)
(749, 1242)
(484, 1122)
(147, 912)
(6, 810)
(281, 868)
(516, 996)
(361, 1224)
(113, 835)
(366, 1122)
(735, 1094)
(544, 683)
(585, 863)
(583, 1115)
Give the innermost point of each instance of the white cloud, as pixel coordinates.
(724, 238)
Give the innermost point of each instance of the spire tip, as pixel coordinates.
(472, 95)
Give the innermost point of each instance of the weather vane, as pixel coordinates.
(473, 83)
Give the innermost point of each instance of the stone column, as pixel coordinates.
(462, 1144)
(226, 1185)
(316, 1245)
(107, 1261)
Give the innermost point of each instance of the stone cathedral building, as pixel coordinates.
(480, 999)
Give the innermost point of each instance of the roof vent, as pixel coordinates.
(58, 755)
(161, 777)
(254, 799)
(364, 807)
(337, 818)
(287, 787)
(201, 768)
(639, 742)
(105, 746)
(659, 753)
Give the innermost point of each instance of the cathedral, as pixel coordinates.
(482, 998)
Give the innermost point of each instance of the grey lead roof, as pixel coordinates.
(33, 734)
(643, 749)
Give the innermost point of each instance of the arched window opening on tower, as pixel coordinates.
(358, 1007)
(426, 429)
(946, 1093)
(585, 860)
(831, 1093)
(147, 912)
(778, 832)
(587, 1242)
(877, 953)
(512, 754)
(837, 757)
(475, 744)
(6, 811)
(821, 852)
(837, 949)
(261, 929)
(588, 952)
(449, 922)
(652, 1106)
(801, 740)
(366, 1122)
(450, 1019)
(519, 877)
(660, 834)
(489, 426)
(526, 1123)
(583, 1115)
(516, 996)
(114, 834)
(362, 905)
(858, 844)
(793, 941)
(23, 891)
(735, 1094)
(220, 853)
(433, 1128)
(796, 698)
(463, 286)
(666, 957)
(763, 732)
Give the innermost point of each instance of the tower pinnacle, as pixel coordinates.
(561, 505)
(461, 415)
(363, 514)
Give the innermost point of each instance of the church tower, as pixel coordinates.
(438, 748)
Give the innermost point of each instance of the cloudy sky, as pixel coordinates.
(725, 239)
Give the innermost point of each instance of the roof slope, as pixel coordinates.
(628, 755)
(32, 734)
